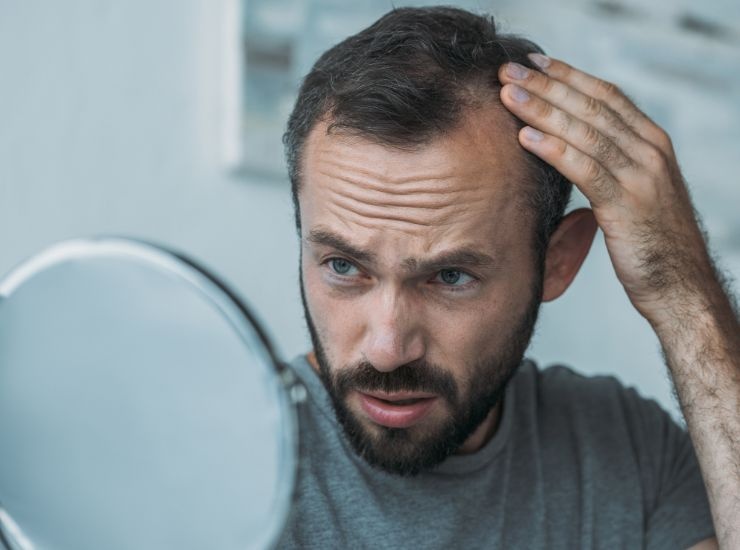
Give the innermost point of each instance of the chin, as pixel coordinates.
(400, 451)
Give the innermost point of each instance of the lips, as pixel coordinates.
(396, 410)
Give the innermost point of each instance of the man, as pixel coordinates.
(430, 160)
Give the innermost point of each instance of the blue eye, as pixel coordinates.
(341, 266)
(453, 277)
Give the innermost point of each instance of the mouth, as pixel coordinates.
(396, 410)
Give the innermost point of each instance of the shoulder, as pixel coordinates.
(558, 387)
(612, 423)
(561, 380)
(599, 412)
(619, 443)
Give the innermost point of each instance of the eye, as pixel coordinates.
(454, 277)
(340, 266)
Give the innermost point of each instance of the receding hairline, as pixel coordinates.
(513, 160)
(474, 99)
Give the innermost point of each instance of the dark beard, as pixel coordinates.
(409, 451)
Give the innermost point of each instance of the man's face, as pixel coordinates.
(419, 284)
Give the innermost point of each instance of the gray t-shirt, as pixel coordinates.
(577, 462)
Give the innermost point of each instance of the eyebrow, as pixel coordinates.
(460, 257)
(465, 256)
(332, 240)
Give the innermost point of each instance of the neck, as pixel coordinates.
(482, 433)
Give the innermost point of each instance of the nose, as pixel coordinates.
(394, 336)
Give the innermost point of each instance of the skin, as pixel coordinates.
(626, 166)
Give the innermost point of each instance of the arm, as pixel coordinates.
(626, 167)
(702, 349)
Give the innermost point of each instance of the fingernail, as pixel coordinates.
(517, 71)
(518, 94)
(530, 134)
(542, 61)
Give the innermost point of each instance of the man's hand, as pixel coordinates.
(626, 167)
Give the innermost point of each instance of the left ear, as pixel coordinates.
(569, 245)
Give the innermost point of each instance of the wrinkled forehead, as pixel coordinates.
(467, 184)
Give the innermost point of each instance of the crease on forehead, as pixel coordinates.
(429, 203)
(471, 170)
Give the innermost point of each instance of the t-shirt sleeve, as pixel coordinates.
(675, 499)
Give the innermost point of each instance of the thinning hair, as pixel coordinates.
(407, 79)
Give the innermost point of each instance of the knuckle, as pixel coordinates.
(606, 89)
(592, 137)
(620, 125)
(564, 69)
(561, 149)
(593, 107)
(545, 110)
(655, 159)
(662, 139)
(547, 85)
(593, 171)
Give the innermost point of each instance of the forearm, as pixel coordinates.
(701, 343)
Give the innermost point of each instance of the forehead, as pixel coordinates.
(466, 185)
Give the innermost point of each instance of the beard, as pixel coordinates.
(409, 451)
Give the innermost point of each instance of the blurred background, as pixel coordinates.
(162, 120)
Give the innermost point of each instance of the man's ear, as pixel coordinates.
(568, 247)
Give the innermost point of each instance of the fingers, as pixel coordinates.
(586, 128)
(608, 93)
(571, 101)
(572, 130)
(590, 176)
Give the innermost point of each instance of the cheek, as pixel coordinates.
(460, 336)
(337, 322)
(484, 329)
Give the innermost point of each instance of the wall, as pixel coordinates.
(110, 125)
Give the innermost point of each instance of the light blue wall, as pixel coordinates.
(110, 122)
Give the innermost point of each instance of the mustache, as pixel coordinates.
(419, 376)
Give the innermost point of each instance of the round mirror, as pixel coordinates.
(140, 406)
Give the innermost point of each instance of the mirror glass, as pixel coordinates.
(140, 406)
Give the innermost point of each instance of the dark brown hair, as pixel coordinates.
(405, 80)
